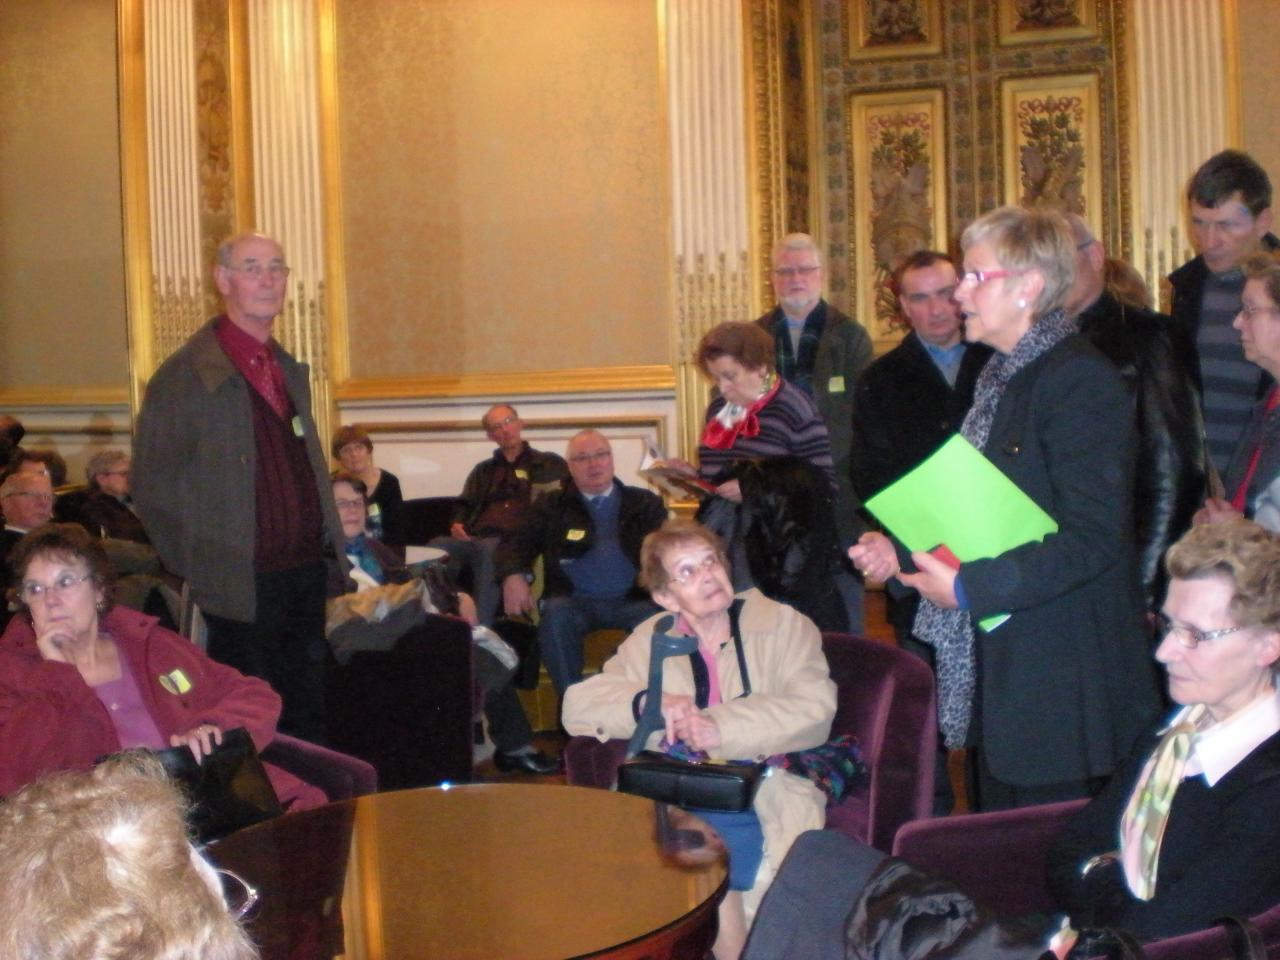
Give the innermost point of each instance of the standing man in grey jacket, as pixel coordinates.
(231, 482)
(823, 352)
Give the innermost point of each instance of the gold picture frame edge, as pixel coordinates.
(517, 383)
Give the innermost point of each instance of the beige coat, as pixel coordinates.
(791, 705)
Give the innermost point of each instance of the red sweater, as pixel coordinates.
(50, 719)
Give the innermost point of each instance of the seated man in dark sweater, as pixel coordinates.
(589, 536)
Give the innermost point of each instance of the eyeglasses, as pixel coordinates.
(276, 271)
(505, 421)
(32, 591)
(1249, 312)
(350, 504)
(979, 277)
(597, 457)
(1190, 637)
(32, 494)
(242, 897)
(686, 573)
(788, 272)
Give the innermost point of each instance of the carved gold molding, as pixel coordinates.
(603, 424)
(331, 190)
(584, 380)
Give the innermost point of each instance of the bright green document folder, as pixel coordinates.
(961, 499)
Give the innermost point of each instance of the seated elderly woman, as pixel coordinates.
(81, 678)
(784, 702)
(1188, 829)
(767, 452)
(98, 864)
(354, 450)
(375, 565)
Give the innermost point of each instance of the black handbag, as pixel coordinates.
(707, 785)
(228, 790)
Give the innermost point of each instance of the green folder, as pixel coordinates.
(959, 498)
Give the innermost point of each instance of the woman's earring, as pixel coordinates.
(100, 606)
(1022, 304)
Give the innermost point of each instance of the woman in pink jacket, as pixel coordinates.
(80, 679)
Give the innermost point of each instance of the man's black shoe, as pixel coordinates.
(536, 762)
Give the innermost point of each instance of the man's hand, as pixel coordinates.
(516, 598)
(459, 532)
(936, 580)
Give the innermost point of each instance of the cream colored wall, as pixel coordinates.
(1259, 25)
(504, 188)
(62, 307)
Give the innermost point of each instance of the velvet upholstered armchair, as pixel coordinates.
(999, 859)
(884, 697)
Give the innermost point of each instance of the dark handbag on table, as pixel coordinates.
(729, 787)
(226, 791)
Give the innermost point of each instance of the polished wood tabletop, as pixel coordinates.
(475, 872)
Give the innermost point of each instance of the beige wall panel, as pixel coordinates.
(1259, 25)
(504, 187)
(62, 300)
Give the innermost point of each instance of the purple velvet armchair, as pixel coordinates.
(884, 697)
(999, 860)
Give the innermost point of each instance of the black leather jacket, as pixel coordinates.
(1170, 474)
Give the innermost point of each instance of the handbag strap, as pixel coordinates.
(1244, 937)
(735, 612)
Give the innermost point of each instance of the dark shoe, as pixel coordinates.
(537, 762)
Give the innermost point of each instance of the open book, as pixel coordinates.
(672, 482)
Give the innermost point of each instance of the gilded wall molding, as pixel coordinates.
(135, 191)
(531, 383)
(63, 396)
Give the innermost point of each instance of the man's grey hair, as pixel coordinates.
(102, 462)
(484, 420)
(796, 242)
(223, 256)
(16, 481)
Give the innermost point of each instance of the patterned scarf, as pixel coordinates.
(1144, 820)
(732, 420)
(796, 365)
(950, 632)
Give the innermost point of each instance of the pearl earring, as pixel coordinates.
(1022, 304)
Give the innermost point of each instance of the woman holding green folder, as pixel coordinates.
(1053, 698)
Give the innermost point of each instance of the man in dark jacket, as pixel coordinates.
(911, 400)
(495, 503)
(588, 535)
(1170, 472)
(1230, 208)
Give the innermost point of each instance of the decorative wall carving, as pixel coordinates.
(895, 28)
(1052, 144)
(899, 166)
(968, 70)
(1037, 21)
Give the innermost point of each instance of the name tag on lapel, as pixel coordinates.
(574, 535)
(835, 385)
(297, 426)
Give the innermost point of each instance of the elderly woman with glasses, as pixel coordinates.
(81, 678)
(1054, 696)
(98, 864)
(757, 686)
(1184, 833)
(1252, 480)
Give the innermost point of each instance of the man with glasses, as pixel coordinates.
(1229, 204)
(824, 353)
(588, 535)
(495, 503)
(232, 484)
(26, 500)
(1170, 474)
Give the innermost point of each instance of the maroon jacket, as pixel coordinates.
(50, 719)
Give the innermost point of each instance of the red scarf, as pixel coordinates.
(719, 437)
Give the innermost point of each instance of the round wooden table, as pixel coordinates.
(476, 872)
